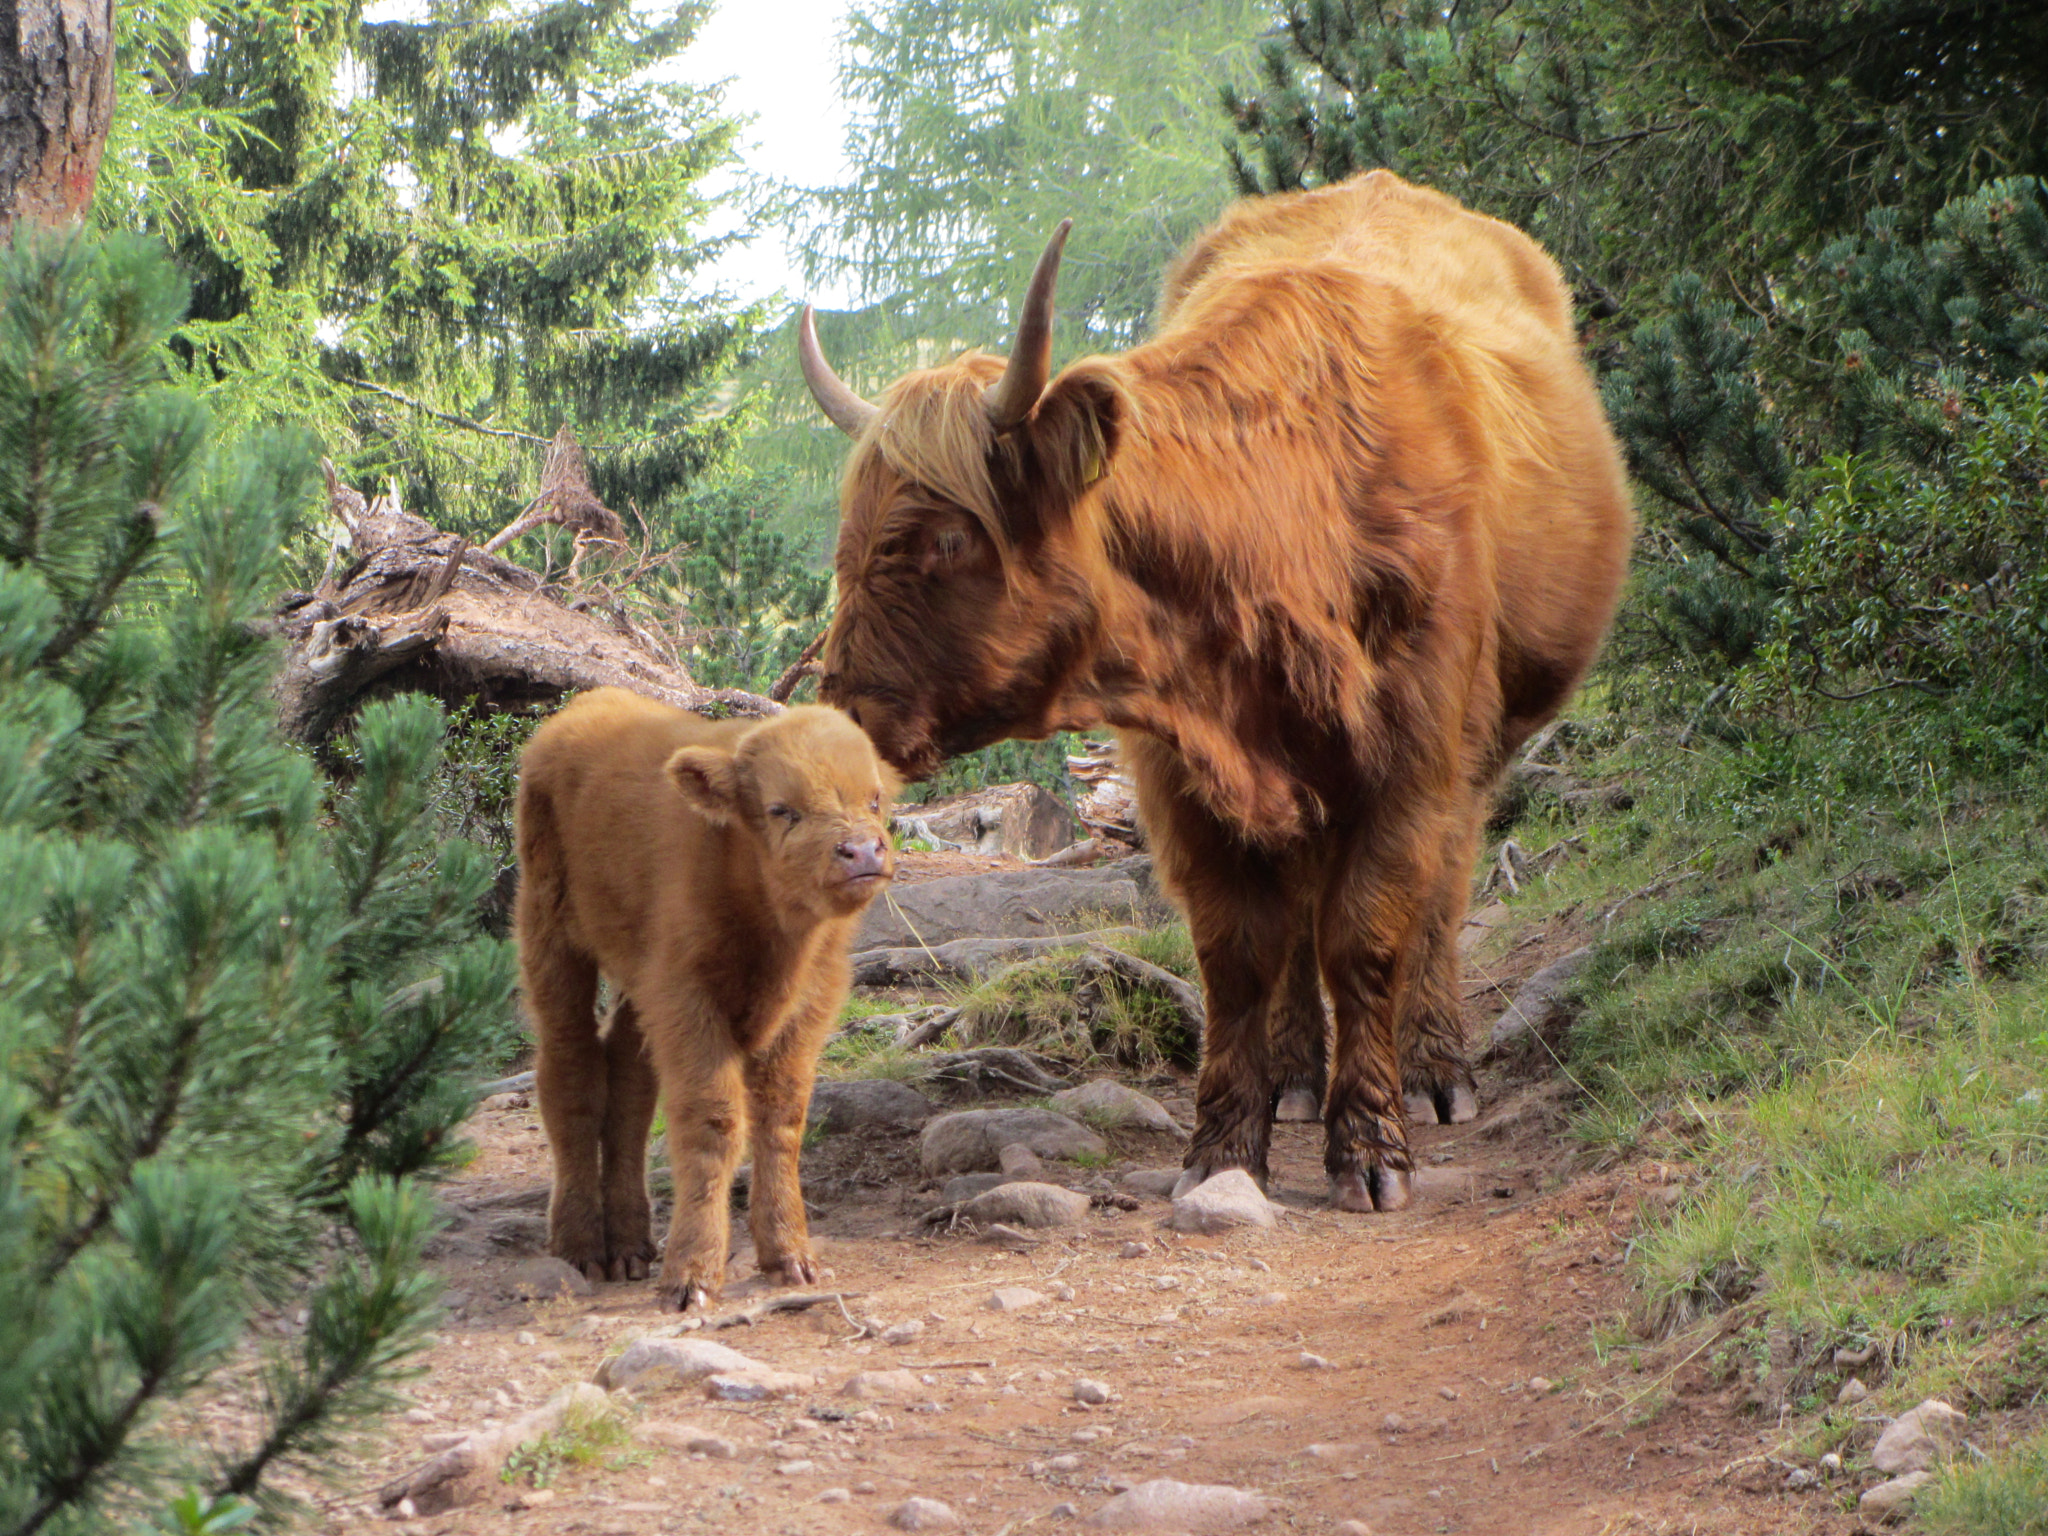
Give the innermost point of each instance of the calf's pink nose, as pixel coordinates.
(868, 858)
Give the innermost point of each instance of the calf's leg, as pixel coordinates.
(570, 1082)
(631, 1091)
(779, 1080)
(703, 1094)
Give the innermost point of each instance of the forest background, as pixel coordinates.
(1809, 251)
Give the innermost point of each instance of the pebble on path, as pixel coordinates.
(1013, 1298)
(923, 1515)
(1094, 1393)
(1165, 1505)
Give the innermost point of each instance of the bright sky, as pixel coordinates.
(779, 59)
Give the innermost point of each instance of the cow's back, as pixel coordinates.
(1483, 312)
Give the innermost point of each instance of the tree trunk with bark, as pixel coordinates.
(419, 610)
(56, 103)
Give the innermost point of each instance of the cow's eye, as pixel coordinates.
(875, 802)
(785, 812)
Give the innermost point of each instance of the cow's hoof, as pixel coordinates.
(1455, 1105)
(1372, 1189)
(797, 1269)
(1299, 1106)
(627, 1266)
(683, 1293)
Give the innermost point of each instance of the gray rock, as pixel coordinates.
(923, 1515)
(757, 1386)
(919, 965)
(654, 1362)
(545, 1278)
(1093, 1393)
(1157, 1182)
(1013, 1298)
(1012, 903)
(1913, 1440)
(835, 1496)
(965, 1186)
(972, 1140)
(687, 1438)
(1027, 1205)
(1020, 1162)
(1853, 1392)
(1890, 1500)
(517, 1232)
(1165, 1505)
(868, 1104)
(903, 1333)
(1112, 1106)
(1021, 820)
(1227, 1200)
(1539, 1003)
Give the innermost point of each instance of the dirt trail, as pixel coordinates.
(1277, 1362)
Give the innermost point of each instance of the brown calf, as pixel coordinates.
(712, 872)
(1324, 552)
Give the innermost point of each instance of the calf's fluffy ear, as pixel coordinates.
(709, 780)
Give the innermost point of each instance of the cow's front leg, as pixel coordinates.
(703, 1095)
(629, 1103)
(1370, 930)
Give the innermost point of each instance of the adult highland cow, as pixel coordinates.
(1324, 552)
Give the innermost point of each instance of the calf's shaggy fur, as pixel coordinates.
(713, 873)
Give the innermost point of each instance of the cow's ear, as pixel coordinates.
(709, 780)
(1074, 433)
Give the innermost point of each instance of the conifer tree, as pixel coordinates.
(434, 241)
(233, 1021)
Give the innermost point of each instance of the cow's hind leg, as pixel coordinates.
(1299, 1026)
(1436, 1076)
(628, 1113)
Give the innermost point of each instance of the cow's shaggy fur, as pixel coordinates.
(1325, 552)
(713, 873)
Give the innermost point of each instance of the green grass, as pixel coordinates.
(2006, 1497)
(1039, 1005)
(589, 1436)
(1830, 1000)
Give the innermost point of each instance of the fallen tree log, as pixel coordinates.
(419, 610)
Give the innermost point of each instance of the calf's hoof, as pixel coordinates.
(1299, 1106)
(794, 1269)
(1372, 1189)
(686, 1286)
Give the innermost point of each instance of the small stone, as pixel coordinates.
(652, 1362)
(903, 1333)
(1353, 1528)
(794, 1467)
(544, 1278)
(834, 1496)
(1088, 1436)
(535, 1498)
(971, 1140)
(418, 1416)
(1165, 1505)
(499, 1102)
(1156, 1182)
(1134, 1250)
(1913, 1440)
(868, 1103)
(1115, 1107)
(1270, 1299)
(1061, 1291)
(1853, 1392)
(923, 1515)
(524, 1337)
(1027, 1204)
(1831, 1465)
(1539, 1384)
(864, 1488)
(1062, 1512)
(1013, 1298)
(757, 1386)
(1890, 1501)
(1313, 1362)
(1800, 1478)
(871, 1385)
(1393, 1424)
(1221, 1203)
(1094, 1393)
(1448, 1394)
(1066, 1463)
(1018, 1161)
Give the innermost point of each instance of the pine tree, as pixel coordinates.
(435, 241)
(232, 1020)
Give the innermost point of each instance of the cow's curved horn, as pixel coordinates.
(848, 411)
(1011, 397)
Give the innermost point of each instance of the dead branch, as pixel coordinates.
(793, 1301)
(806, 665)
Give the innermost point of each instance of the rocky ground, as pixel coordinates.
(1464, 1366)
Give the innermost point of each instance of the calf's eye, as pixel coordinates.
(788, 815)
